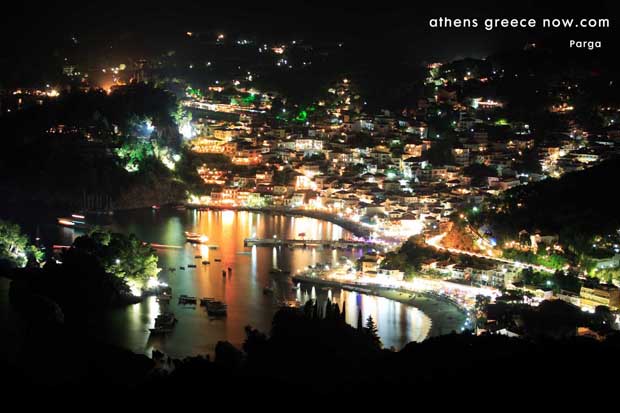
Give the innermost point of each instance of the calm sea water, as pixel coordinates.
(196, 332)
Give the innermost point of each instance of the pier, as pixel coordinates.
(303, 243)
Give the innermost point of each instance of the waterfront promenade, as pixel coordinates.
(356, 228)
(340, 244)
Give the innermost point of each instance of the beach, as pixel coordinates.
(445, 316)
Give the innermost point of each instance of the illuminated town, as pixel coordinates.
(223, 198)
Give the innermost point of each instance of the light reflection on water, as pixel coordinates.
(196, 333)
(397, 324)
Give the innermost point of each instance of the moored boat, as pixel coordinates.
(186, 299)
(165, 319)
(160, 330)
(164, 298)
(205, 300)
(216, 308)
(164, 323)
(279, 271)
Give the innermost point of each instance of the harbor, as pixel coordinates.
(256, 286)
(305, 243)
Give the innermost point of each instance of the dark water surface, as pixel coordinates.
(196, 332)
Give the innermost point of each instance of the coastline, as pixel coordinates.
(445, 315)
(355, 228)
(321, 216)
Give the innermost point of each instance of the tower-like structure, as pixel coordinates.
(138, 74)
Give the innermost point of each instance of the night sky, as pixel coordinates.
(31, 34)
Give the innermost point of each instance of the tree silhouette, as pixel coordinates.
(359, 320)
(373, 333)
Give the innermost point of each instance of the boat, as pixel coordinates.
(181, 268)
(218, 260)
(160, 330)
(198, 257)
(196, 238)
(180, 208)
(216, 308)
(244, 253)
(205, 300)
(268, 290)
(164, 298)
(185, 299)
(279, 271)
(172, 269)
(191, 265)
(156, 207)
(164, 323)
(165, 319)
(212, 247)
(205, 262)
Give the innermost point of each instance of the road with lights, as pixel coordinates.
(435, 242)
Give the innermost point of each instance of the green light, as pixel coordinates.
(248, 100)
(193, 92)
(302, 117)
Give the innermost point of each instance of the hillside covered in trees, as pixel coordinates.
(580, 207)
(123, 146)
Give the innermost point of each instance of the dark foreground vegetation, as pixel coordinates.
(95, 274)
(312, 359)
